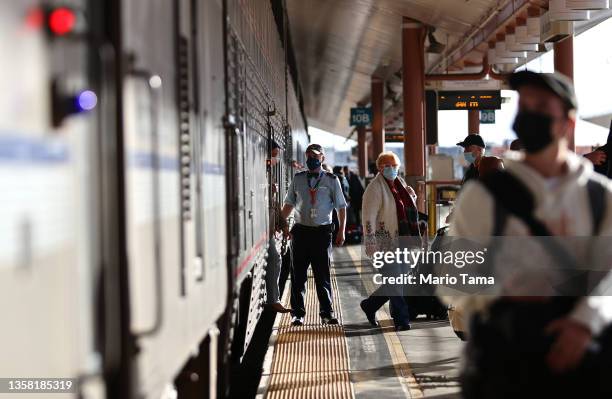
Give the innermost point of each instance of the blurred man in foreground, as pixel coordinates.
(539, 344)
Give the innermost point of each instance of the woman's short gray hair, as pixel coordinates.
(386, 156)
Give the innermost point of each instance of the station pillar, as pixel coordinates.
(378, 134)
(370, 150)
(473, 121)
(564, 64)
(413, 80)
(362, 151)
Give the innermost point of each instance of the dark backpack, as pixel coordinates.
(512, 197)
(511, 341)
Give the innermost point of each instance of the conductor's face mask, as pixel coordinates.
(313, 163)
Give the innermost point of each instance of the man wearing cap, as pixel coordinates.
(473, 149)
(557, 343)
(313, 194)
(274, 261)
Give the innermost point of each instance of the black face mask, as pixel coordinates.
(313, 163)
(534, 130)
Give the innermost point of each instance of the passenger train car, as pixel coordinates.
(136, 196)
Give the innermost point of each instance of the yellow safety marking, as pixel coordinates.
(401, 365)
(310, 361)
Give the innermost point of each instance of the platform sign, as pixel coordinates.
(361, 116)
(487, 117)
(469, 99)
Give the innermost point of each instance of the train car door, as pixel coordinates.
(235, 121)
(157, 208)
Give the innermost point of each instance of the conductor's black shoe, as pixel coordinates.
(329, 320)
(402, 327)
(297, 321)
(370, 315)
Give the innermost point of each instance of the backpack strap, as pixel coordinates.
(597, 203)
(511, 196)
(500, 215)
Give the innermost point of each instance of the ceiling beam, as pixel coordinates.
(497, 19)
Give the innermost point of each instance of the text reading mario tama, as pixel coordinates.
(404, 266)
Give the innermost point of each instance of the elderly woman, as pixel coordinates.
(388, 212)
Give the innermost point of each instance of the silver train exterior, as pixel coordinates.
(135, 209)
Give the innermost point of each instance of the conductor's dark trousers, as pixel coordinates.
(311, 246)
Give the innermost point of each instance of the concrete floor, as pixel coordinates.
(422, 362)
(384, 364)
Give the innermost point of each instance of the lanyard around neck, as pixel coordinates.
(313, 190)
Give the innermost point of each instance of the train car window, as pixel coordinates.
(185, 133)
(184, 121)
(185, 151)
(198, 150)
(236, 122)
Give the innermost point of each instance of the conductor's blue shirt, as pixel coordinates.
(328, 196)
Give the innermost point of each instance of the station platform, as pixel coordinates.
(353, 359)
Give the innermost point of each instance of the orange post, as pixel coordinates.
(413, 79)
(473, 121)
(362, 151)
(378, 134)
(564, 63)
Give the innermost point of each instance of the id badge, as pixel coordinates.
(313, 213)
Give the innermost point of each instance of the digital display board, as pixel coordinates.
(457, 100)
(394, 137)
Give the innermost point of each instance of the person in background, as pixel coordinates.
(347, 171)
(488, 165)
(599, 159)
(327, 168)
(356, 191)
(313, 195)
(337, 170)
(274, 262)
(296, 165)
(473, 149)
(389, 211)
(516, 145)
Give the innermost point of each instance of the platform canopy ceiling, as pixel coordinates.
(341, 44)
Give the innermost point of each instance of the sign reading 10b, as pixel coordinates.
(361, 116)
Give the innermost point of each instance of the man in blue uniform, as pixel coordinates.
(313, 194)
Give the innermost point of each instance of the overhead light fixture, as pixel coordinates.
(435, 46)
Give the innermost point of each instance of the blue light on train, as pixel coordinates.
(86, 101)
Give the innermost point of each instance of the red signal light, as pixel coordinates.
(62, 21)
